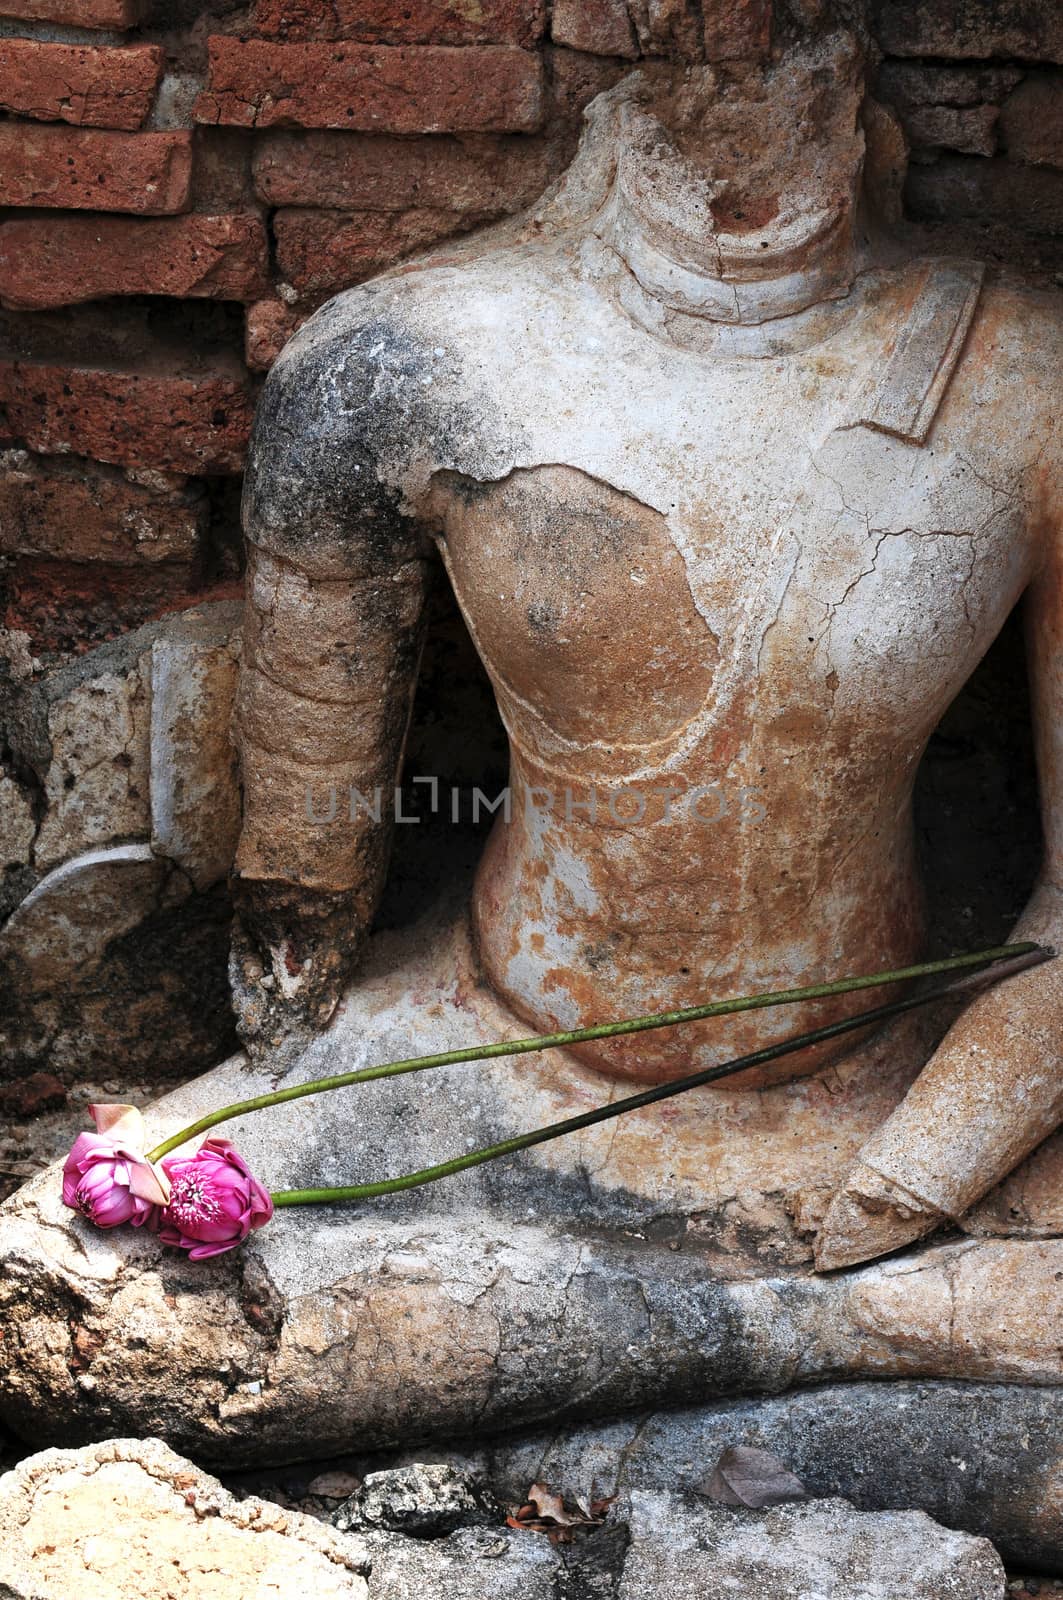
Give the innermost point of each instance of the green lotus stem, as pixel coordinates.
(602, 1030)
(648, 1097)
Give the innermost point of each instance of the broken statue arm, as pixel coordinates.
(332, 636)
(994, 1087)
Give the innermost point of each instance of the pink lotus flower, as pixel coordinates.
(106, 1176)
(215, 1201)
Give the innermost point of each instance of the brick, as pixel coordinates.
(965, 188)
(67, 608)
(1031, 123)
(401, 21)
(352, 171)
(89, 85)
(270, 324)
(77, 13)
(576, 77)
(969, 129)
(78, 511)
(737, 30)
(910, 83)
(181, 422)
(88, 169)
(601, 27)
(371, 88)
(319, 252)
(60, 260)
(956, 29)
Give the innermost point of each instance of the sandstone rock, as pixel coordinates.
(130, 1518)
(823, 1550)
(421, 1501)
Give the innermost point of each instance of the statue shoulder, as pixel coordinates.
(384, 385)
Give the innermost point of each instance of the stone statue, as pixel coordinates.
(734, 495)
(734, 492)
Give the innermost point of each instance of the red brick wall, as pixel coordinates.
(182, 182)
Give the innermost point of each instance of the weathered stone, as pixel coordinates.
(969, 129)
(179, 420)
(195, 796)
(270, 324)
(129, 1518)
(28, 1097)
(78, 13)
(737, 30)
(825, 1549)
(55, 938)
(17, 824)
(1031, 121)
(96, 783)
(388, 22)
(89, 85)
(909, 83)
(422, 1502)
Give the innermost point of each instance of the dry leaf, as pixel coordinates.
(546, 1512)
(746, 1476)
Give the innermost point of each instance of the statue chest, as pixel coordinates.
(863, 577)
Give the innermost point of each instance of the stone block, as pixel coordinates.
(686, 1549)
(90, 169)
(90, 85)
(77, 13)
(375, 89)
(96, 783)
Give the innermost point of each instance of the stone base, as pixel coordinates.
(659, 1260)
(129, 1518)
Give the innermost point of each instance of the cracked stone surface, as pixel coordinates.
(117, 1520)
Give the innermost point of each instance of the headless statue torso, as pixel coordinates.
(732, 511)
